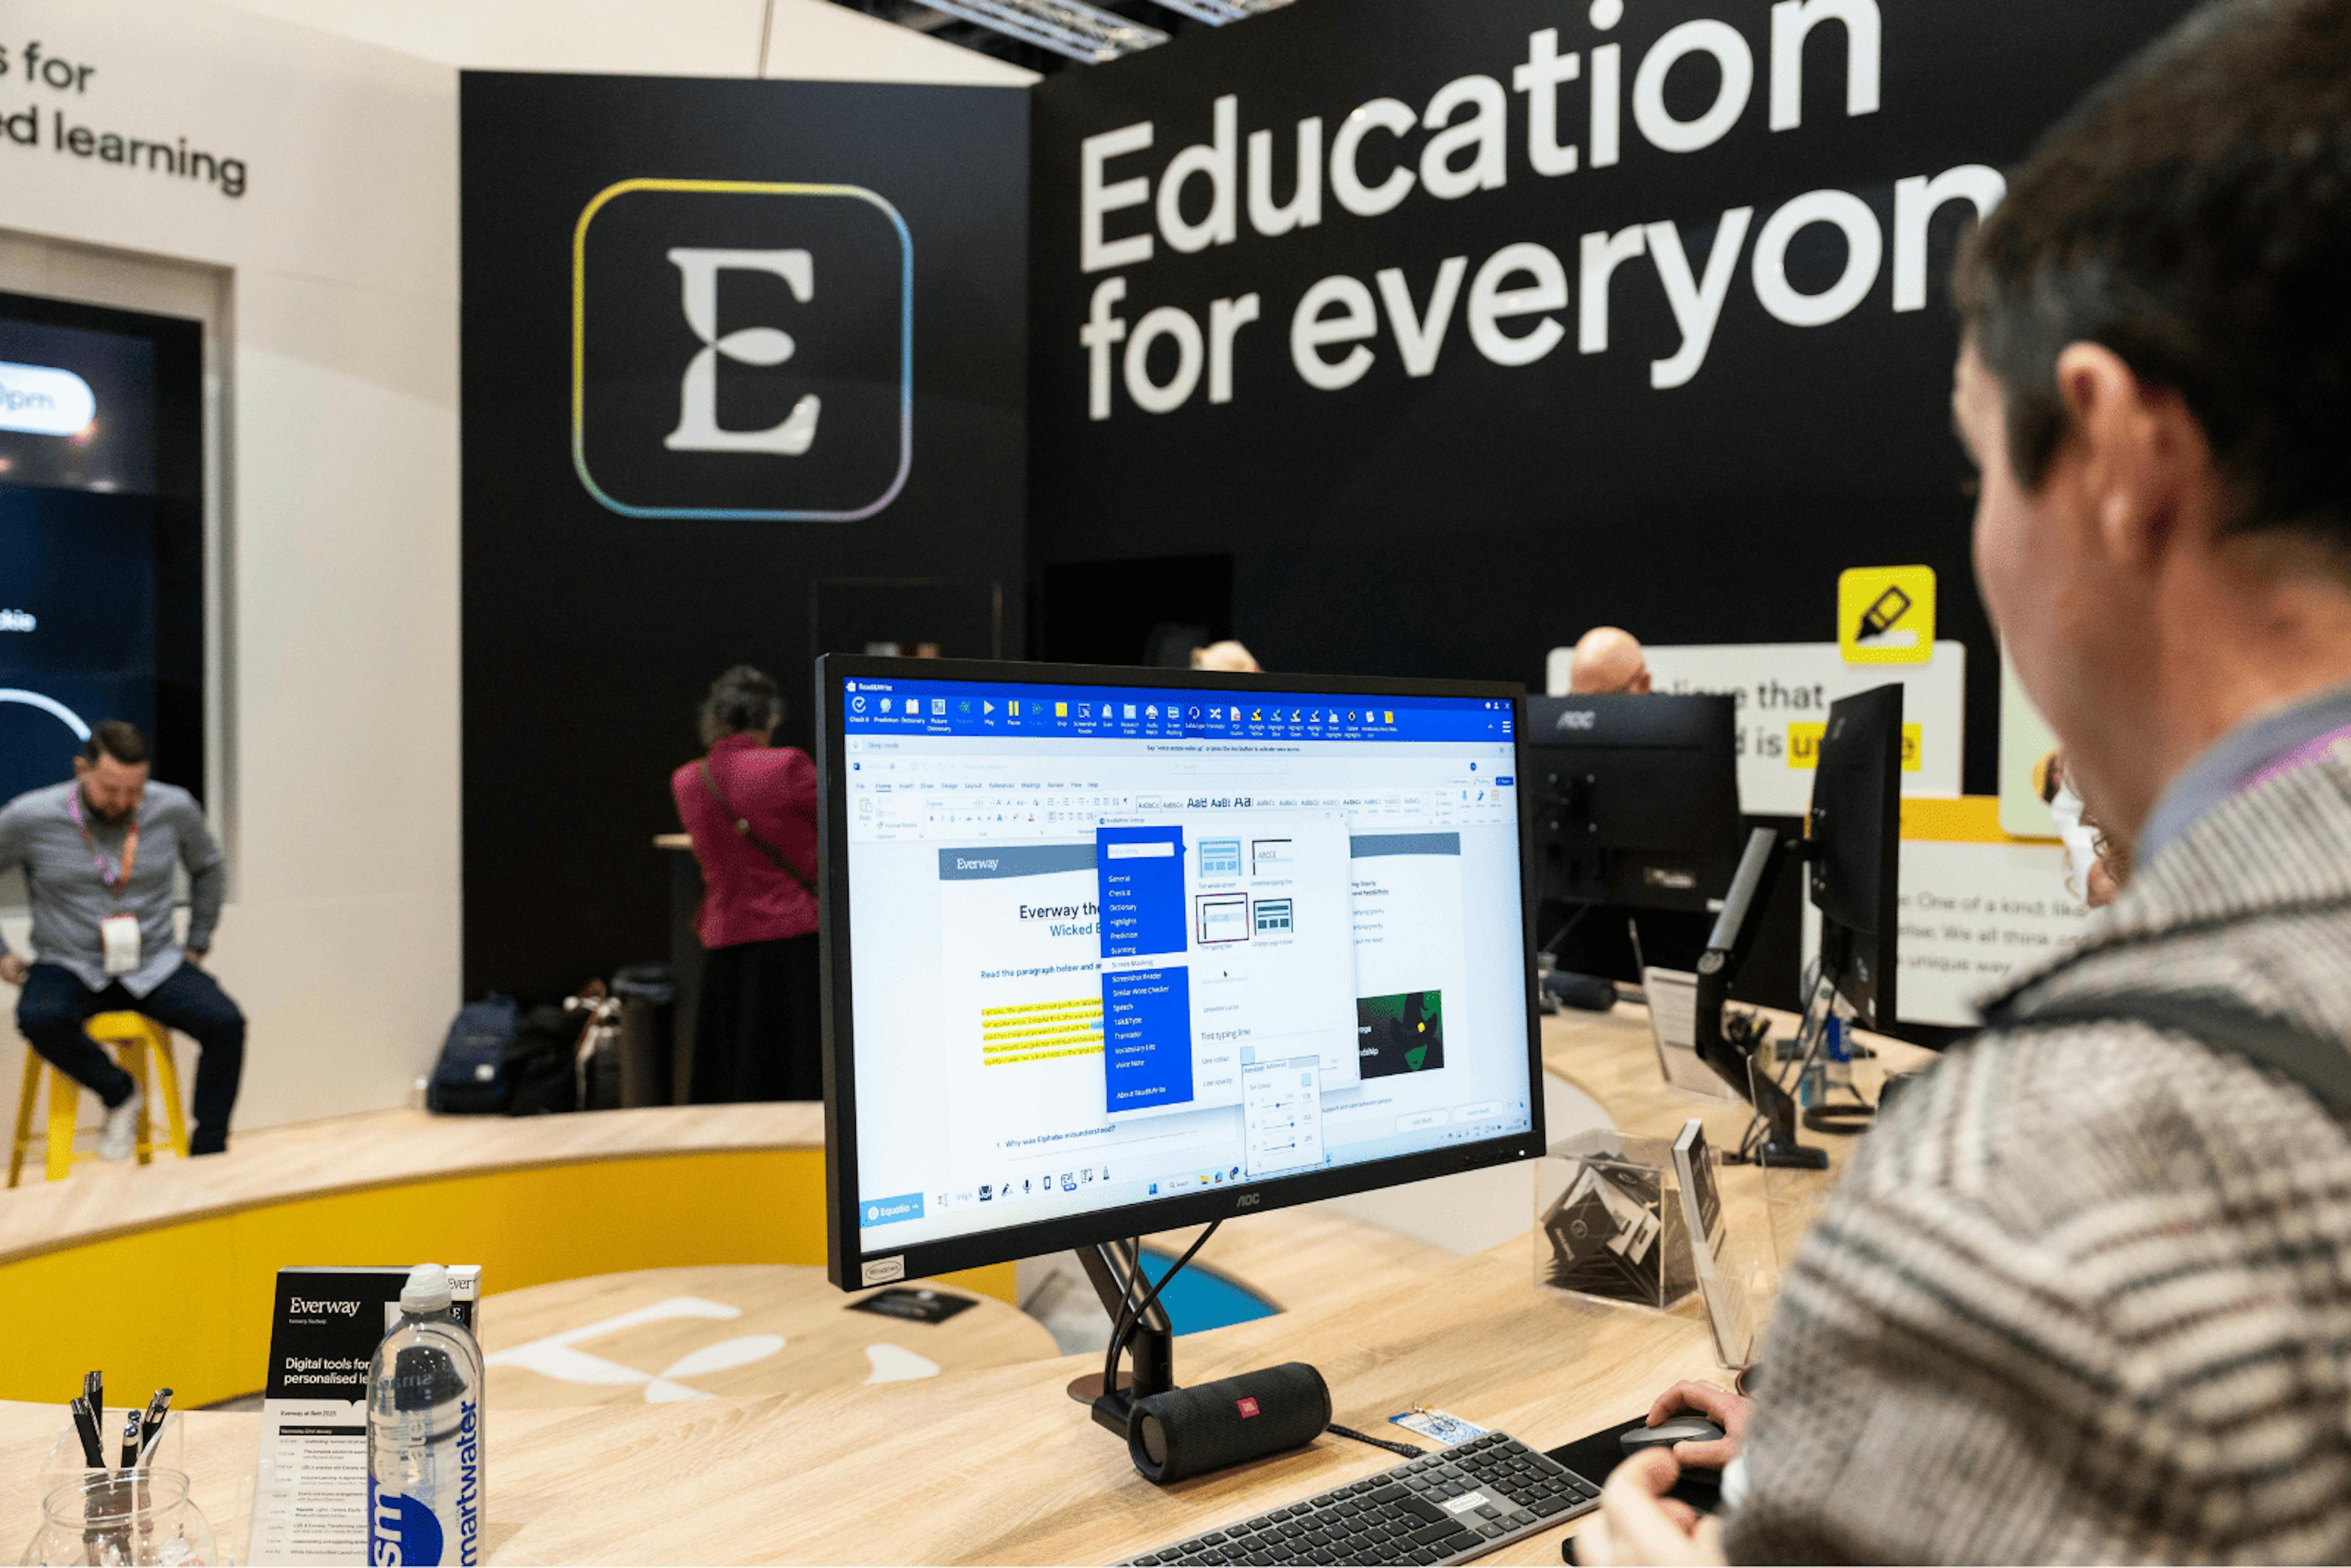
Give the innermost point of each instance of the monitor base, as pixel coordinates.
(1087, 1389)
(1779, 1156)
(1772, 1137)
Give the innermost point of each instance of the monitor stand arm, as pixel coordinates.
(1116, 1270)
(1731, 1043)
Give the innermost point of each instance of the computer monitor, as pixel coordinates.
(1853, 845)
(1856, 833)
(1112, 950)
(1636, 821)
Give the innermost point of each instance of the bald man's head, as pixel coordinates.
(1608, 659)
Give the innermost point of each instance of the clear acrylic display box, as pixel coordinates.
(1616, 1221)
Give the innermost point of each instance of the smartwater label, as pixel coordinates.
(428, 1531)
(402, 1530)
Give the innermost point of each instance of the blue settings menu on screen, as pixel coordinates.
(1147, 1012)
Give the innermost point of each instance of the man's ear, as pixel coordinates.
(82, 765)
(2140, 457)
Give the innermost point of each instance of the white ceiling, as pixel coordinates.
(807, 39)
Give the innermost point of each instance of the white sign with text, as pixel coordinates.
(1784, 691)
(1973, 914)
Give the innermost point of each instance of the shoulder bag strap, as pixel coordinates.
(2319, 1064)
(774, 856)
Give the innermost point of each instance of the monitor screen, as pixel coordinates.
(1117, 946)
(102, 538)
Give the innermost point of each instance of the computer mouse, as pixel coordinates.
(1687, 1427)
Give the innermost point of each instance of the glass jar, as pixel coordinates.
(140, 1516)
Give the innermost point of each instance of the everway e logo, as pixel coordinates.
(709, 380)
(697, 420)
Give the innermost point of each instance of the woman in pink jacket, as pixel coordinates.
(750, 806)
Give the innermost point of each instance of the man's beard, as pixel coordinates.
(111, 818)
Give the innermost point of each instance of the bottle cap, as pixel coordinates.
(427, 1290)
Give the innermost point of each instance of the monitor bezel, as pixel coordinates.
(848, 1264)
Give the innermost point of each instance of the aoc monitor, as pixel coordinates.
(1112, 950)
(1636, 819)
(1855, 832)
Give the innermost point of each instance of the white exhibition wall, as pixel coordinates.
(336, 677)
(336, 689)
(805, 39)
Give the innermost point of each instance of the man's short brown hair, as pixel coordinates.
(2194, 216)
(126, 743)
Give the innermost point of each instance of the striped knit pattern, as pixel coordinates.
(2084, 1295)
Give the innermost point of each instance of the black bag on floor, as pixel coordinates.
(470, 1078)
(540, 1065)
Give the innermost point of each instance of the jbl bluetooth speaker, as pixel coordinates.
(1188, 1432)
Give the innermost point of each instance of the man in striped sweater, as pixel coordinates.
(2085, 1292)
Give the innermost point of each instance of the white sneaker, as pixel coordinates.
(120, 1138)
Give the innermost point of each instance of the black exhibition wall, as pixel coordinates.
(786, 416)
(1590, 312)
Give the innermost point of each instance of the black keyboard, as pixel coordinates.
(1445, 1506)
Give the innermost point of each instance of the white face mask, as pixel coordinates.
(2081, 841)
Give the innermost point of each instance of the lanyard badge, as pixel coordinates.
(119, 881)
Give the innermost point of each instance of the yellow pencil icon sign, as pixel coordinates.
(1885, 614)
(1882, 613)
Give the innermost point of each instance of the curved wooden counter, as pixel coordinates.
(994, 1465)
(162, 1275)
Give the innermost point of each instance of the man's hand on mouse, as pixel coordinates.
(1724, 1408)
(1638, 1524)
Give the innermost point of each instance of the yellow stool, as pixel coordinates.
(136, 1038)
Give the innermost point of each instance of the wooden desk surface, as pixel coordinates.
(728, 1332)
(998, 1465)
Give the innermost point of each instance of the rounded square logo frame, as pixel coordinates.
(741, 187)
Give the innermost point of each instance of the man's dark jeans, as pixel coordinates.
(54, 1005)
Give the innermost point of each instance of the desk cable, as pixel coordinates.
(1406, 1450)
(1132, 1319)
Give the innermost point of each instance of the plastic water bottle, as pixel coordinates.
(424, 1432)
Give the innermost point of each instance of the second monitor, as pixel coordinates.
(1636, 819)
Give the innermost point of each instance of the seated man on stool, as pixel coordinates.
(98, 855)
